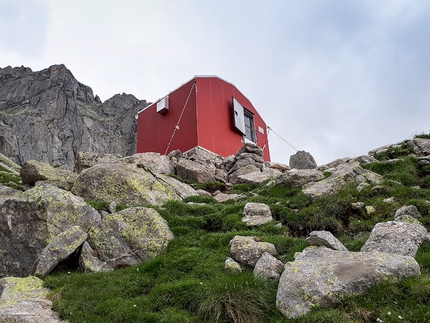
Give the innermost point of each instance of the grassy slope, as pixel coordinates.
(188, 282)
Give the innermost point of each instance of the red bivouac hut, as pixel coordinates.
(206, 112)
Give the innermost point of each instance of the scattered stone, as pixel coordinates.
(247, 251)
(222, 197)
(279, 166)
(268, 267)
(396, 238)
(406, 218)
(370, 209)
(250, 148)
(408, 210)
(362, 186)
(112, 207)
(390, 200)
(326, 239)
(302, 160)
(233, 177)
(256, 214)
(357, 205)
(232, 265)
(321, 276)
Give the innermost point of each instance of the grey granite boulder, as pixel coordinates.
(302, 160)
(256, 214)
(268, 267)
(396, 238)
(89, 262)
(130, 236)
(247, 251)
(32, 220)
(296, 178)
(233, 177)
(192, 170)
(326, 239)
(86, 159)
(321, 276)
(60, 247)
(127, 184)
(156, 162)
(232, 266)
(408, 210)
(33, 171)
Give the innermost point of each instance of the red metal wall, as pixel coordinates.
(216, 131)
(207, 120)
(155, 130)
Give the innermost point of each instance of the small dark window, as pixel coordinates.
(249, 125)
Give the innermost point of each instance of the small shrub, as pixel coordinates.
(200, 199)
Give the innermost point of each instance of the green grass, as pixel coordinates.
(188, 283)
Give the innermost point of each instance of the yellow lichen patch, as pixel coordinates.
(17, 289)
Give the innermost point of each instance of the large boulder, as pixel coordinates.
(126, 184)
(250, 148)
(156, 162)
(33, 220)
(396, 238)
(33, 171)
(246, 170)
(25, 300)
(131, 236)
(321, 276)
(60, 247)
(247, 250)
(192, 170)
(421, 146)
(87, 159)
(256, 214)
(342, 175)
(408, 210)
(268, 267)
(296, 178)
(302, 160)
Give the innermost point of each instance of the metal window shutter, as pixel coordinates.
(239, 117)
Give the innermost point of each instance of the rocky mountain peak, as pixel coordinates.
(49, 116)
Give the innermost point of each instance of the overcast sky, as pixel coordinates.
(334, 78)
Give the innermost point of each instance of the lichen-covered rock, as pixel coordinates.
(33, 171)
(89, 262)
(131, 236)
(321, 276)
(296, 178)
(60, 247)
(408, 210)
(256, 214)
(9, 165)
(125, 184)
(87, 159)
(247, 250)
(268, 267)
(156, 162)
(242, 162)
(191, 170)
(32, 220)
(341, 176)
(421, 146)
(232, 266)
(326, 239)
(396, 238)
(25, 300)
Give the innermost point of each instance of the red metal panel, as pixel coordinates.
(207, 120)
(154, 130)
(216, 131)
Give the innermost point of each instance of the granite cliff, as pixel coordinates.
(49, 116)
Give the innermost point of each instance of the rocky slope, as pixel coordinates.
(49, 116)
